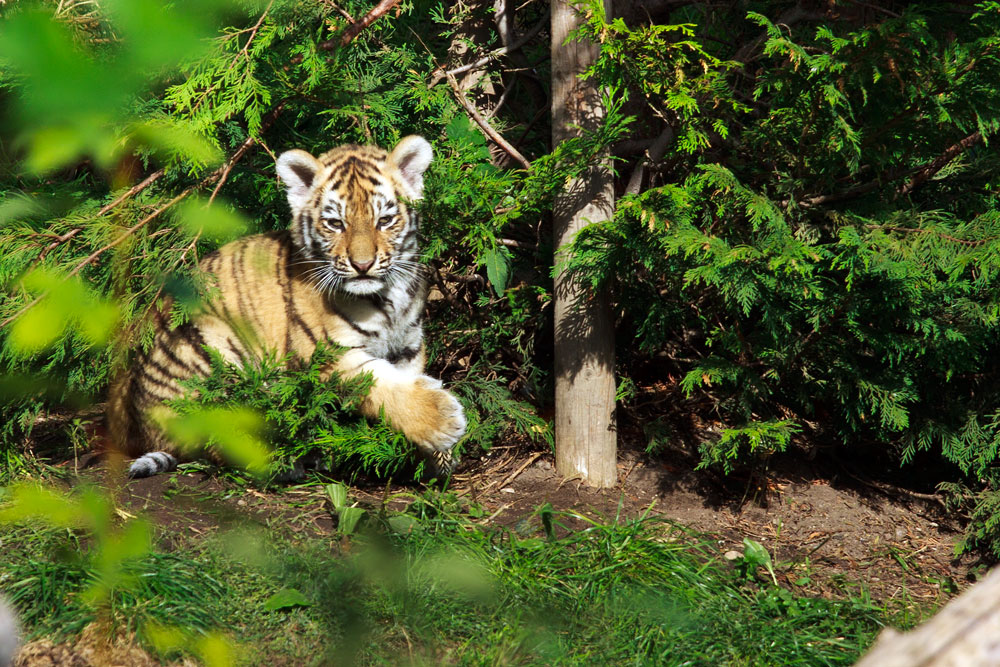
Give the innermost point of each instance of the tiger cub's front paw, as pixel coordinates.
(437, 420)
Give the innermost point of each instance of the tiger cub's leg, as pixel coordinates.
(415, 404)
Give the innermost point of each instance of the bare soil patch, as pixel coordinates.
(830, 535)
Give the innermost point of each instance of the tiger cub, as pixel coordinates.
(346, 271)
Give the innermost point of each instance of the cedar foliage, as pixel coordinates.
(809, 245)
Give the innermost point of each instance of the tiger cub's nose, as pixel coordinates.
(363, 265)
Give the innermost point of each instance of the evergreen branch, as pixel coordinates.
(352, 31)
(265, 123)
(490, 133)
(941, 235)
(919, 176)
(219, 174)
(244, 52)
(107, 208)
(92, 257)
(940, 162)
(914, 108)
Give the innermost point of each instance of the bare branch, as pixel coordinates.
(496, 53)
(490, 133)
(377, 12)
(265, 123)
(940, 162)
(656, 151)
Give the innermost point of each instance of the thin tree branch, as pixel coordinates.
(653, 154)
(340, 10)
(244, 52)
(947, 237)
(107, 208)
(940, 162)
(849, 193)
(490, 133)
(353, 30)
(100, 251)
(265, 123)
(496, 53)
(511, 243)
(133, 191)
(876, 8)
(919, 176)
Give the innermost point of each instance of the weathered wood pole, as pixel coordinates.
(966, 633)
(584, 334)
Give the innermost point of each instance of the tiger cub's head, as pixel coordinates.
(350, 221)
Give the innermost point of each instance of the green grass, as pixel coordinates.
(561, 589)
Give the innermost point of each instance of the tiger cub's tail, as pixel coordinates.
(152, 463)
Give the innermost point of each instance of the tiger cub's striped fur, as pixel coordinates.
(346, 271)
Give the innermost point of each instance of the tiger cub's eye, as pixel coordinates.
(333, 224)
(385, 221)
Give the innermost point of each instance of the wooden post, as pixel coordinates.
(966, 633)
(584, 334)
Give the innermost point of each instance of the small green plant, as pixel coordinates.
(348, 516)
(755, 556)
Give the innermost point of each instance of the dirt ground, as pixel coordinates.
(838, 532)
(828, 535)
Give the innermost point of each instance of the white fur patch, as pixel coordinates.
(9, 634)
(297, 170)
(411, 156)
(151, 464)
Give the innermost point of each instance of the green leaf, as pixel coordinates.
(236, 432)
(338, 495)
(460, 129)
(39, 328)
(755, 555)
(348, 518)
(212, 221)
(497, 269)
(64, 302)
(286, 598)
(403, 524)
(215, 650)
(175, 139)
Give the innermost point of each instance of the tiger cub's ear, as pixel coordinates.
(297, 169)
(411, 157)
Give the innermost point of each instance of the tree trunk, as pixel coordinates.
(584, 336)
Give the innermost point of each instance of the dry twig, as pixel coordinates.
(353, 30)
(487, 130)
(940, 162)
(496, 53)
